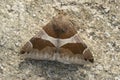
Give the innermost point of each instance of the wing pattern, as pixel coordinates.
(58, 40)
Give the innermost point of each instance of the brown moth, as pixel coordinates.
(58, 40)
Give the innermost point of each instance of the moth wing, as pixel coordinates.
(38, 48)
(75, 51)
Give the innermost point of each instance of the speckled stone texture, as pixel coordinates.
(99, 24)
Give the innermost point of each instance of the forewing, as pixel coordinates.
(38, 48)
(75, 51)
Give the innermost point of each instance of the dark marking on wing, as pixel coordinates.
(79, 48)
(88, 55)
(75, 48)
(39, 43)
(26, 48)
(60, 27)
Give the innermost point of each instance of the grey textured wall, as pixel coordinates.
(99, 23)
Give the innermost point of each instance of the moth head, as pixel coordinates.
(88, 55)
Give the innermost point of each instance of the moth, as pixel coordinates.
(58, 40)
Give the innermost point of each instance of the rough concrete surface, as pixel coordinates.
(99, 23)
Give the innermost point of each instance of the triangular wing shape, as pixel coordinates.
(58, 40)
